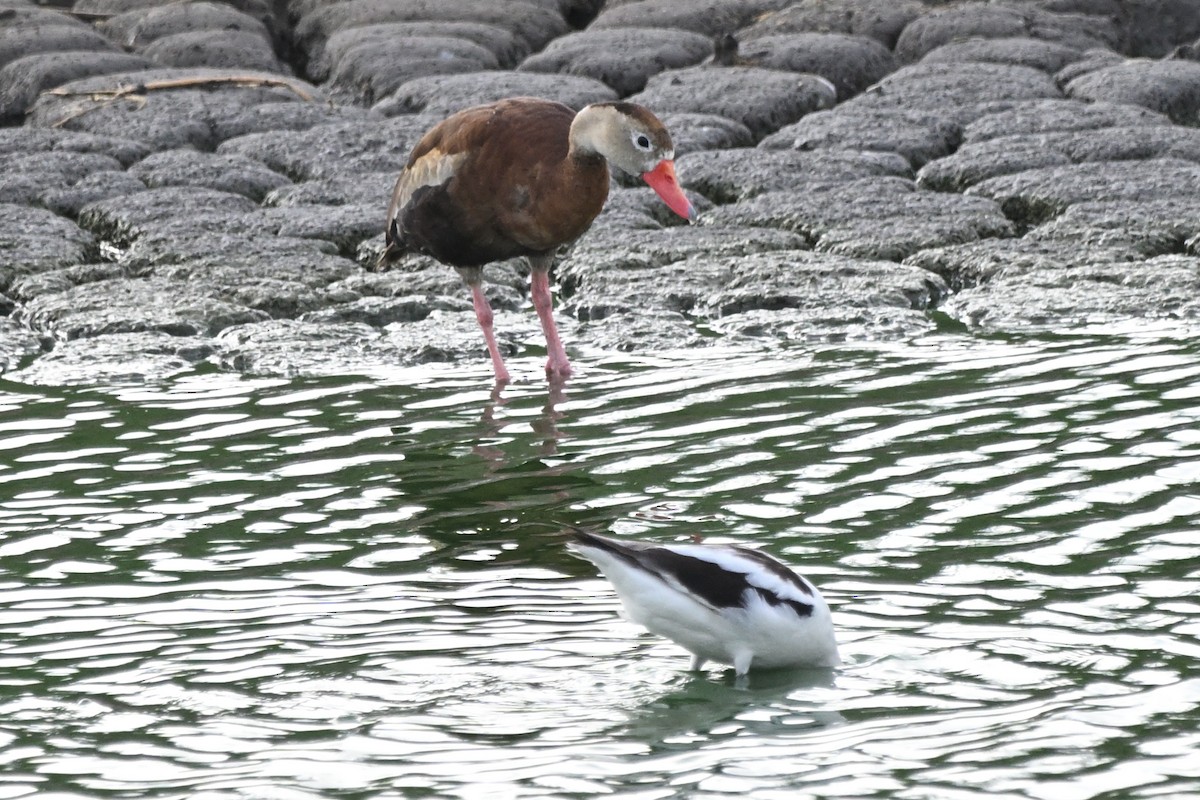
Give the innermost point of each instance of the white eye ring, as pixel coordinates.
(641, 141)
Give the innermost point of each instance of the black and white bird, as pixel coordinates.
(722, 603)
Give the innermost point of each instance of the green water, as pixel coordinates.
(356, 588)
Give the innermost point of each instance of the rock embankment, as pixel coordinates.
(190, 182)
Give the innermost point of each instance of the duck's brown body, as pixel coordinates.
(513, 191)
(521, 177)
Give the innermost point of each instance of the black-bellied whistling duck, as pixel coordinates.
(522, 177)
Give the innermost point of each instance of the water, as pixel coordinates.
(351, 588)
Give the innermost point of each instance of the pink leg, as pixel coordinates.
(557, 364)
(483, 312)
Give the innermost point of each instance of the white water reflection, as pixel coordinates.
(231, 588)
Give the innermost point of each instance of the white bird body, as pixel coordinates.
(722, 603)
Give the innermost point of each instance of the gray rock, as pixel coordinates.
(1007, 155)
(137, 28)
(1078, 295)
(442, 95)
(23, 79)
(917, 135)
(1091, 61)
(344, 226)
(623, 58)
(1012, 118)
(27, 177)
(884, 218)
(1153, 227)
(882, 20)
(726, 176)
(374, 189)
(708, 17)
(223, 172)
(694, 132)
(166, 108)
(957, 93)
(35, 240)
(31, 140)
(964, 266)
(23, 40)
(287, 116)
(143, 357)
(126, 305)
(120, 220)
(218, 49)
(55, 281)
(761, 99)
(326, 151)
(1020, 50)
(70, 200)
(648, 330)
(230, 240)
(374, 70)
(1171, 87)
(501, 43)
(979, 19)
(850, 63)
(533, 25)
(1035, 196)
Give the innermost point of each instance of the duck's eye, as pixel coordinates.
(641, 141)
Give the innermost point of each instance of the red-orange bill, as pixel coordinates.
(662, 180)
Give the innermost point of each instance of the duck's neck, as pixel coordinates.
(587, 135)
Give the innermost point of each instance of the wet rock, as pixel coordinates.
(23, 40)
(708, 17)
(918, 136)
(850, 63)
(220, 49)
(504, 46)
(957, 93)
(1012, 118)
(1154, 27)
(1077, 295)
(233, 239)
(761, 99)
(127, 305)
(23, 79)
(36, 240)
(139, 27)
(584, 279)
(370, 72)
(442, 95)
(1171, 87)
(964, 266)
(532, 24)
(223, 172)
(694, 132)
(18, 345)
(55, 281)
(882, 20)
(1035, 196)
(165, 108)
(985, 20)
(885, 218)
(623, 58)
(1022, 51)
(1007, 155)
(374, 146)
(114, 359)
(648, 330)
(726, 176)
